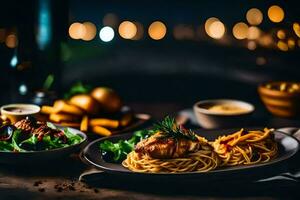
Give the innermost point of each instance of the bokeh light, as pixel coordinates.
(253, 33)
(291, 43)
(216, 30)
(280, 34)
(208, 23)
(251, 45)
(296, 28)
(254, 16)
(157, 30)
(266, 40)
(90, 31)
(275, 13)
(261, 60)
(282, 45)
(11, 41)
(240, 31)
(127, 30)
(77, 30)
(106, 34)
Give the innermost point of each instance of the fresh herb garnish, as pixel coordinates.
(169, 129)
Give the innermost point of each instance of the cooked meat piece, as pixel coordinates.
(162, 148)
(25, 125)
(43, 130)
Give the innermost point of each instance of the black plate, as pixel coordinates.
(38, 157)
(288, 147)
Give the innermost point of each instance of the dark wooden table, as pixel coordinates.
(59, 180)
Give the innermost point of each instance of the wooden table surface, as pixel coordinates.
(59, 180)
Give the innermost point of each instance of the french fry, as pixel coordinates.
(108, 123)
(47, 110)
(60, 106)
(84, 125)
(70, 124)
(101, 131)
(62, 118)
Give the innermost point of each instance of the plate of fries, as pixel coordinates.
(100, 111)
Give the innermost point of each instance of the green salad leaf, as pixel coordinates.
(72, 138)
(120, 149)
(30, 143)
(16, 140)
(6, 146)
(22, 142)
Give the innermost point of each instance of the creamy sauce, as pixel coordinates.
(227, 109)
(19, 110)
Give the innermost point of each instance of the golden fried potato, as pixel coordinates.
(85, 102)
(101, 131)
(108, 123)
(47, 110)
(60, 106)
(84, 125)
(57, 118)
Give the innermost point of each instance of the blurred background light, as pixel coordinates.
(282, 45)
(240, 31)
(23, 89)
(254, 16)
(251, 45)
(157, 30)
(296, 28)
(11, 41)
(216, 30)
(281, 34)
(127, 30)
(261, 61)
(266, 40)
(253, 33)
(106, 34)
(77, 31)
(110, 19)
(208, 23)
(275, 13)
(90, 31)
(291, 43)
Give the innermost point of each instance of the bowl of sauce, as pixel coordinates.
(222, 113)
(16, 112)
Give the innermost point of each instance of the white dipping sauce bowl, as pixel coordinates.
(11, 111)
(213, 120)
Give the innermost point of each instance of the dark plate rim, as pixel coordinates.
(76, 131)
(217, 171)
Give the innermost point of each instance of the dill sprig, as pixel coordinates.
(169, 128)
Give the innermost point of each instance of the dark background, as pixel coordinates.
(168, 70)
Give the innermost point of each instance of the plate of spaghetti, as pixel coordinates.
(171, 150)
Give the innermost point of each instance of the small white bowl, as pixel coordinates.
(11, 111)
(212, 119)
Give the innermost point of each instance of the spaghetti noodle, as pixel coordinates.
(246, 147)
(201, 161)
